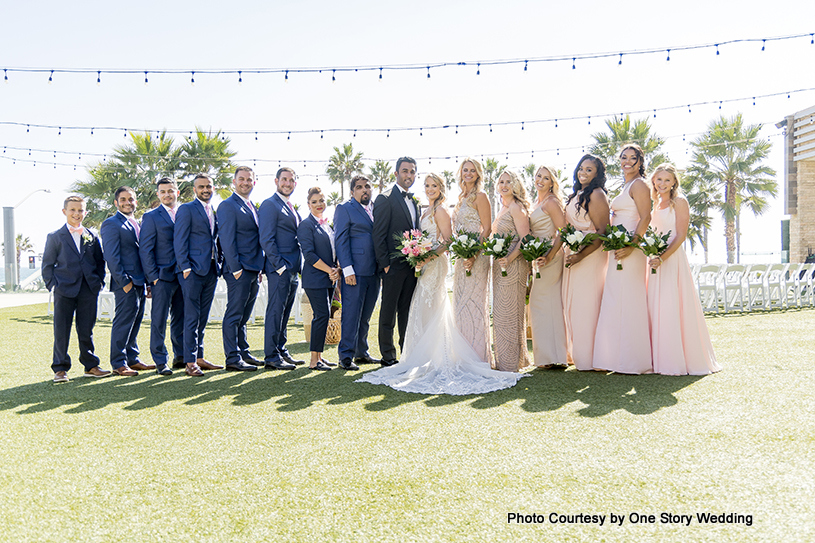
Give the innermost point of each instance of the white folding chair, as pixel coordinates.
(106, 305)
(776, 286)
(732, 288)
(792, 291)
(807, 283)
(756, 289)
(707, 285)
(218, 308)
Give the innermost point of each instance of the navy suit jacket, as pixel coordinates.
(239, 236)
(278, 235)
(121, 249)
(353, 237)
(63, 267)
(391, 217)
(194, 242)
(316, 245)
(156, 245)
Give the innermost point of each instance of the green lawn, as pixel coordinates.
(313, 456)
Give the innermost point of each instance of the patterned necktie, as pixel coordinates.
(293, 212)
(135, 224)
(210, 217)
(370, 210)
(172, 214)
(252, 210)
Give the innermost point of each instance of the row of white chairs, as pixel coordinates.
(750, 287)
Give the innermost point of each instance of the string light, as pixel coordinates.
(145, 78)
(240, 77)
(619, 62)
(51, 77)
(717, 49)
(98, 77)
(192, 78)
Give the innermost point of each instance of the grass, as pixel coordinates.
(313, 456)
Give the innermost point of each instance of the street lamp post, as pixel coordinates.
(10, 242)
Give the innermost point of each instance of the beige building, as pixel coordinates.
(799, 182)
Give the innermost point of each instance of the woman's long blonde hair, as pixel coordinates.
(518, 190)
(555, 190)
(676, 190)
(479, 182)
(435, 204)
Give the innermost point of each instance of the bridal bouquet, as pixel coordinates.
(576, 239)
(617, 237)
(416, 246)
(653, 244)
(465, 245)
(533, 248)
(497, 247)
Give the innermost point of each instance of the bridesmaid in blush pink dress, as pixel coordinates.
(584, 276)
(680, 342)
(622, 343)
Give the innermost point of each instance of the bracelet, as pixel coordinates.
(659, 258)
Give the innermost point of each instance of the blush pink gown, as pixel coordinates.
(680, 342)
(582, 291)
(623, 343)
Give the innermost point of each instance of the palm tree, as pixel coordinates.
(342, 166)
(528, 179)
(701, 197)
(380, 174)
(144, 160)
(334, 199)
(23, 245)
(621, 131)
(492, 171)
(449, 179)
(729, 157)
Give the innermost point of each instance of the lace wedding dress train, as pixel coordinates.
(436, 358)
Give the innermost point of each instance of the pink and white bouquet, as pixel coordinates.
(497, 246)
(465, 245)
(617, 237)
(416, 247)
(652, 244)
(576, 239)
(533, 248)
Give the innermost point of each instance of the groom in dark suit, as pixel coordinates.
(73, 266)
(353, 227)
(394, 213)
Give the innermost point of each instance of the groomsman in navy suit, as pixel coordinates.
(243, 262)
(74, 267)
(353, 227)
(120, 244)
(394, 213)
(278, 238)
(158, 261)
(198, 261)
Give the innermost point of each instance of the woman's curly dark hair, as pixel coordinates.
(599, 181)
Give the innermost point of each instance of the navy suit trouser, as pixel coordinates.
(84, 305)
(198, 294)
(241, 296)
(167, 300)
(320, 300)
(358, 302)
(125, 327)
(282, 289)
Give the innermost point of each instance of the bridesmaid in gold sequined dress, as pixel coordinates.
(472, 214)
(545, 298)
(509, 293)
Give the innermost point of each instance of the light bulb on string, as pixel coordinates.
(478, 72)
(428, 72)
(655, 114)
(145, 78)
(98, 78)
(380, 73)
(522, 125)
(60, 131)
(321, 134)
(669, 55)
(573, 60)
(256, 136)
(289, 136)
(621, 60)
(192, 78)
(526, 63)
(720, 104)
(287, 76)
(717, 49)
(333, 75)
(763, 43)
(27, 128)
(240, 78)
(490, 127)
(5, 75)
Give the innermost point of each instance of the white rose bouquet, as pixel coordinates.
(497, 246)
(576, 239)
(652, 244)
(617, 237)
(465, 245)
(533, 248)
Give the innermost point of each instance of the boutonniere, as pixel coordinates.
(257, 206)
(415, 200)
(86, 237)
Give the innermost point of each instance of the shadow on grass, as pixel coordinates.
(297, 390)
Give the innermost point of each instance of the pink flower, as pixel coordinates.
(405, 251)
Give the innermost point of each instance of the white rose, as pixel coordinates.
(649, 240)
(618, 234)
(571, 239)
(580, 235)
(499, 245)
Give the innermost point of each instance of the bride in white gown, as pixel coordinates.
(436, 358)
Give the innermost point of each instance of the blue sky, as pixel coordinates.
(244, 35)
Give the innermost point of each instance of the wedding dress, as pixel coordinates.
(436, 358)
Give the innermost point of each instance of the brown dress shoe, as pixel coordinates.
(141, 366)
(125, 371)
(61, 377)
(206, 365)
(193, 370)
(97, 372)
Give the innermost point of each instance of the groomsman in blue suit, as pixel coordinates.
(243, 262)
(198, 261)
(74, 267)
(158, 261)
(120, 244)
(353, 226)
(278, 238)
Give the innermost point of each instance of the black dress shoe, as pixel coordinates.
(387, 363)
(321, 366)
(279, 365)
(249, 359)
(348, 364)
(240, 365)
(366, 360)
(178, 363)
(287, 357)
(162, 369)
